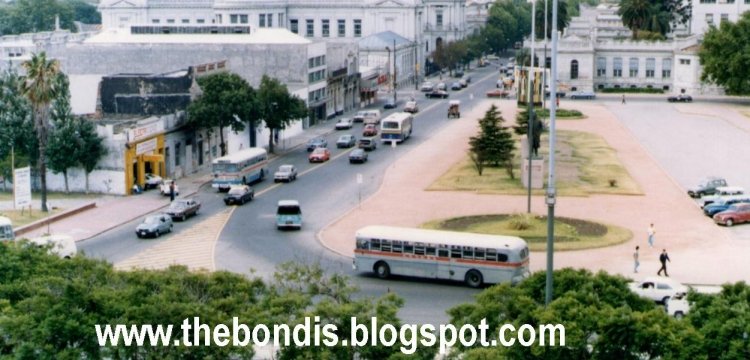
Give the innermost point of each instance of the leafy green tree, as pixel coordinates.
(226, 102)
(635, 14)
(724, 56)
(39, 15)
(91, 148)
(494, 144)
(85, 12)
(563, 18)
(723, 320)
(64, 141)
(16, 125)
(278, 108)
(39, 87)
(656, 16)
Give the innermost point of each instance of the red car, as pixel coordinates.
(497, 93)
(370, 130)
(737, 213)
(319, 155)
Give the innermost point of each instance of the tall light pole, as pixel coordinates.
(394, 67)
(550, 196)
(530, 104)
(544, 71)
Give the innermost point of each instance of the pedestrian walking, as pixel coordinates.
(171, 191)
(623, 98)
(635, 259)
(664, 257)
(651, 232)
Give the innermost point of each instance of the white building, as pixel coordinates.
(708, 13)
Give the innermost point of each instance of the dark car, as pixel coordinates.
(707, 186)
(735, 214)
(182, 208)
(456, 86)
(680, 98)
(437, 94)
(458, 73)
(721, 205)
(239, 195)
(346, 141)
(357, 156)
(316, 143)
(583, 95)
(390, 104)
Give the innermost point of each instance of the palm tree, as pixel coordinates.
(635, 14)
(563, 18)
(39, 88)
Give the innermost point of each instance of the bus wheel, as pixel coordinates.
(473, 278)
(244, 181)
(382, 270)
(262, 174)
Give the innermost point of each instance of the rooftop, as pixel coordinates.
(258, 36)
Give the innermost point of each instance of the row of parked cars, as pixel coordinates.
(440, 90)
(726, 205)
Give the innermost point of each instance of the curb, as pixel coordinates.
(54, 218)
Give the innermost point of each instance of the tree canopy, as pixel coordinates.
(16, 125)
(724, 56)
(654, 16)
(563, 18)
(278, 108)
(494, 145)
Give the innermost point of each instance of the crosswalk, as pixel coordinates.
(193, 247)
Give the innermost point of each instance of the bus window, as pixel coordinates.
(456, 252)
(362, 244)
(479, 254)
(443, 253)
(468, 252)
(397, 247)
(491, 255)
(385, 246)
(430, 251)
(502, 257)
(419, 250)
(375, 244)
(408, 248)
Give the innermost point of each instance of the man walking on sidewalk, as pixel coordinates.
(635, 259)
(623, 98)
(664, 257)
(651, 232)
(171, 191)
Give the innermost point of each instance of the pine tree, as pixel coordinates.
(493, 146)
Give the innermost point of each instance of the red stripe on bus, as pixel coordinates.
(436, 258)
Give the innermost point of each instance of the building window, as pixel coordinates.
(185, 21)
(342, 27)
(710, 19)
(234, 18)
(684, 61)
(326, 28)
(243, 19)
(219, 19)
(724, 17)
(617, 67)
(294, 26)
(262, 20)
(155, 21)
(357, 28)
(730, 1)
(269, 18)
(650, 67)
(439, 19)
(177, 154)
(201, 21)
(633, 67)
(574, 69)
(708, 1)
(666, 68)
(170, 21)
(601, 66)
(310, 28)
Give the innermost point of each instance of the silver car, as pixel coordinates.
(154, 225)
(286, 172)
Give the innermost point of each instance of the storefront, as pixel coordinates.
(144, 153)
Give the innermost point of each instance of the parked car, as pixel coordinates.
(239, 195)
(164, 187)
(437, 94)
(360, 116)
(316, 143)
(319, 155)
(152, 181)
(458, 73)
(678, 306)
(346, 141)
(183, 208)
(442, 86)
(370, 130)
(286, 173)
(389, 104)
(590, 95)
(707, 186)
(658, 289)
(344, 123)
(735, 214)
(154, 225)
(722, 192)
(467, 78)
(456, 86)
(358, 156)
(368, 143)
(680, 98)
(723, 204)
(61, 245)
(411, 107)
(427, 87)
(463, 83)
(497, 93)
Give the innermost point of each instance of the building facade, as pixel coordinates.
(707, 13)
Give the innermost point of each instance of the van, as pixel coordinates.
(62, 245)
(368, 143)
(372, 117)
(6, 229)
(288, 215)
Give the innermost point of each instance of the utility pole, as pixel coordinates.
(395, 83)
(544, 71)
(550, 197)
(530, 104)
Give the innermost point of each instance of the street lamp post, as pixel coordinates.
(394, 67)
(544, 72)
(530, 130)
(550, 197)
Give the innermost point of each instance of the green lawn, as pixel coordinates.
(20, 219)
(570, 234)
(585, 165)
(36, 196)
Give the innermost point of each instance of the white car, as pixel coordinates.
(723, 193)
(62, 245)
(678, 306)
(345, 123)
(427, 87)
(658, 289)
(286, 173)
(152, 181)
(164, 187)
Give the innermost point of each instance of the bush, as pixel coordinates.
(561, 113)
(521, 221)
(632, 90)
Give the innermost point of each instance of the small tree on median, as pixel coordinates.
(493, 146)
(63, 138)
(278, 108)
(92, 147)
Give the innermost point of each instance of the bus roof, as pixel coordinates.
(4, 221)
(442, 237)
(400, 116)
(240, 155)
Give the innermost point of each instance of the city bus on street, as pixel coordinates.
(240, 168)
(6, 229)
(475, 259)
(396, 127)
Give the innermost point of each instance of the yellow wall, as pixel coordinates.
(156, 158)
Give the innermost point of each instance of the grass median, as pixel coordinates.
(585, 165)
(19, 218)
(570, 234)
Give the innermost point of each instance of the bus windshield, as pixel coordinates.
(390, 125)
(226, 168)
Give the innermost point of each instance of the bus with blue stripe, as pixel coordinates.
(242, 167)
(396, 127)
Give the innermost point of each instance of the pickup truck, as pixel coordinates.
(183, 208)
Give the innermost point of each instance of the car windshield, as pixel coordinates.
(177, 205)
(344, 138)
(152, 220)
(236, 191)
(285, 168)
(288, 210)
(319, 151)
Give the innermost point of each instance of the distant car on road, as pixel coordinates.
(183, 208)
(154, 225)
(456, 86)
(427, 87)
(288, 215)
(442, 86)
(467, 78)
(590, 95)
(316, 143)
(286, 173)
(346, 141)
(458, 73)
(707, 186)
(358, 156)
(239, 195)
(319, 155)
(164, 187)
(463, 82)
(678, 306)
(152, 181)
(61, 245)
(369, 143)
(437, 94)
(411, 107)
(497, 93)
(735, 214)
(370, 130)
(658, 289)
(389, 104)
(344, 123)
(680, 98)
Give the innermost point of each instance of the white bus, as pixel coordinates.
(6, 229)
(396, 127)
(475, 259)
(242, 167)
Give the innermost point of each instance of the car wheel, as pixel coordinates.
(170, 228)
(382, 270)
(156, 233)
(252, 196)
(138, 235)
(679, 315)
(730, 222)
(474, 278)
(244, 181)
(701, 194)
(184, 217)
(664, 300)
